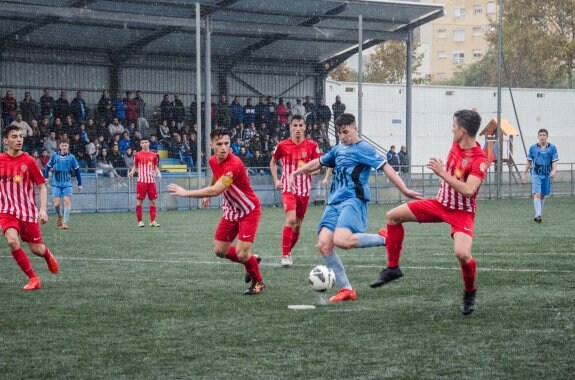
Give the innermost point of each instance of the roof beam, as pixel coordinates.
(331, 63)
(14, 37)
(123, 54)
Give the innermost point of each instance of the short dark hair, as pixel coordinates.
(297, 117)
(344, 119)
(468, 120)
(8, 129)
(144, 138)
(219, 132)
(542, 130)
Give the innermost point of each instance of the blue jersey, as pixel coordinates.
(351, 168)
(62, 166)
(541, 158)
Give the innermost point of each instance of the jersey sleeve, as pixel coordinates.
(35, 172)
(74, 162)
(530, 154)
(136, 159)
(479, 167)
(328, 159)
(156, 160)
(52, 160)
(369, 156)
(555, 154)
(278, 152)
(314, 151)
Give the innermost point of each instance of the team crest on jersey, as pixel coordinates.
(483, 167)
(24, 168)
(464, 162)
(303, 154)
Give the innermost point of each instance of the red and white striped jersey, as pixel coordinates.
(146, 163)
(461, 163)
(294, 156)
(239, 199)
(18, 175)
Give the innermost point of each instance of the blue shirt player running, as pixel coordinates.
(542, 161)
(62, 163)
(344, 220)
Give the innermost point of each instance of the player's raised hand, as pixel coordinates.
(42, 217)
(205, 202)
(436, 165)
(176, 190)
(413, 194)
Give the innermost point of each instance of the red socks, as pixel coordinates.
(289, 240)
(23, 262)
(152, 213)
(287, 237)
(253, 269)
(232, 255)
(468, 273)
(295, 237)
(394, 243)
(139, 213)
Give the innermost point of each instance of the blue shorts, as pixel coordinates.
(61, 191)
(541, 184)
(350, 214)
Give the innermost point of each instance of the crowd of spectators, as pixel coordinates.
(106, 135)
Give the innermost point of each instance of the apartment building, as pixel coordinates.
(456, 39)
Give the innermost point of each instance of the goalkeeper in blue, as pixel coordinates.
(62, 163)
(542, 162)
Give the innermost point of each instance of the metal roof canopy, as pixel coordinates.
(307, 31)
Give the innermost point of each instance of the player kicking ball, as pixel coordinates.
(242, 210)
(344, 220)
(455, 204)
(19, 215)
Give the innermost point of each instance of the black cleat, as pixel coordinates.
(468, 304)
(387, 275)
(247, 278)
(256, 287)
(538, 219)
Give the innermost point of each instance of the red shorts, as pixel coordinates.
(149, 189)
(295, 202)
(246, 228)
(431, 211)
(29, 231)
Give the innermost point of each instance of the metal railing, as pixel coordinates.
(105, 194)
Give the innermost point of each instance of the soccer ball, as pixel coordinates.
(321, 278)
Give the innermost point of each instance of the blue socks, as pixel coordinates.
(333, 262)
(67, 210)
(370, 240)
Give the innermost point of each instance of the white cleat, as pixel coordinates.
(287, 261)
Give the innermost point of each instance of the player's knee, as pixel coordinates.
(220, 254)
(13, 243)
(291, 222)
(38, 249)
(324, 248)
(243, 255)
(463, 255)
(392, 217)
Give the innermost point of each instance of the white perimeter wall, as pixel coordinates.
(384, 115)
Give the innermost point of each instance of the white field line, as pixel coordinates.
(274, 264)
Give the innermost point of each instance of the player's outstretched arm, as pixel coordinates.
(210, 191)
(398, 182)
(311, 166)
